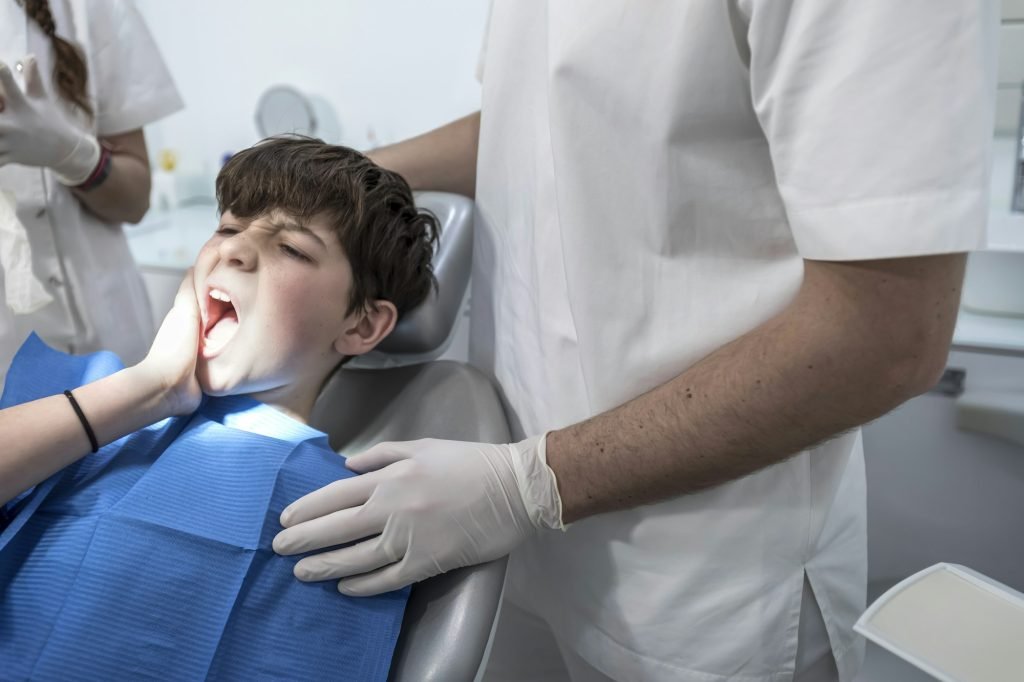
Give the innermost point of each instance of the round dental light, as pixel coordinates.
(284, 110)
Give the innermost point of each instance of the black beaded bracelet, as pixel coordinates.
(85, 422)
(100, 172)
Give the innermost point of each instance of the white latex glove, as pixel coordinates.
(423, 508)
(35, 132)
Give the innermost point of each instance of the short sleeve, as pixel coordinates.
(132, 83)
(878, 115)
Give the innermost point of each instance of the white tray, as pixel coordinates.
(953, 623)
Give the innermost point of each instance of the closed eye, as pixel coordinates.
(295, 253)
(226, 230)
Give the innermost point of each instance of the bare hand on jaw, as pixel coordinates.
(171, 362)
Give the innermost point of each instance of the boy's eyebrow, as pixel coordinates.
(293, 226)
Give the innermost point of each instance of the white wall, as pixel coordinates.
(388, 68)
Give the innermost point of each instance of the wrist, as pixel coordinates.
(121, 403)
(154, 399)
(85, 160)
(537, 483)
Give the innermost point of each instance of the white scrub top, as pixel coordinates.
(83, 262)
(650, 179)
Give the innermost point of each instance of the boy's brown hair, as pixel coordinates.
(388, 241)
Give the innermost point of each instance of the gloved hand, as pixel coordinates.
(35, 132)
(423, 507)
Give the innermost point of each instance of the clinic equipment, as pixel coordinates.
(163, 194)
(400, 393)
(282, 109)
(285, 110)
(955, 624)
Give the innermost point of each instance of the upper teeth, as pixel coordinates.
(220, 295)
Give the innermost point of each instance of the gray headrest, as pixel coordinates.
(425, 331)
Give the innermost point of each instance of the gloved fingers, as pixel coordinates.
(338, 528)
(361, 557)
(382, 580)
(33, 81)
(9, 89)
(378, 457)
(343, 494)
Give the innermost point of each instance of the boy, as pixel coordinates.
(151, 557)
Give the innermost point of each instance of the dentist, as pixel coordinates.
(712, 239)
(73, 168)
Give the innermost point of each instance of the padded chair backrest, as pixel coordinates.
(425, 329)
(449, 618)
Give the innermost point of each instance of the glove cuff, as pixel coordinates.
(79, 164)
(537, 483)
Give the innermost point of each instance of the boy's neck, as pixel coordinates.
(296, 402)
(301, 417)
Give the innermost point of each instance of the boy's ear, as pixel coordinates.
(366, 328)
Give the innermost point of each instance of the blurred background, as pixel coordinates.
(377, 72)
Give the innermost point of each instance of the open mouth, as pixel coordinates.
(221, 322)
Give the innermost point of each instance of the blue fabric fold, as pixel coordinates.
(152, 559)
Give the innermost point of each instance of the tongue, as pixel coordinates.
(219, 334)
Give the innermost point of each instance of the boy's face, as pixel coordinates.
(272, 295)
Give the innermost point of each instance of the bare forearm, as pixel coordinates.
(443, 159)
(826, 364)
(44, 436)
(124, 196)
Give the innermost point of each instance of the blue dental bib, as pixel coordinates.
(152, 558)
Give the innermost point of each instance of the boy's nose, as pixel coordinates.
(237, 251)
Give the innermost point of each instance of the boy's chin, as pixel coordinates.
(210, 383)
(217, 393)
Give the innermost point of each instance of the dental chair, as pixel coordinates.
(399, 392)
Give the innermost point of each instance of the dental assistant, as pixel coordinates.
(711, 240)
(78, 81)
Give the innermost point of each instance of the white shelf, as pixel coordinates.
(976, 332)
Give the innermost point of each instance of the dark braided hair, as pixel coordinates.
(69, 70)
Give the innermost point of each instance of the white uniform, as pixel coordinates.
(650, 180)
(83, 262)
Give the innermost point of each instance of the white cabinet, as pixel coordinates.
(1011, 67)
(1013, 10)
